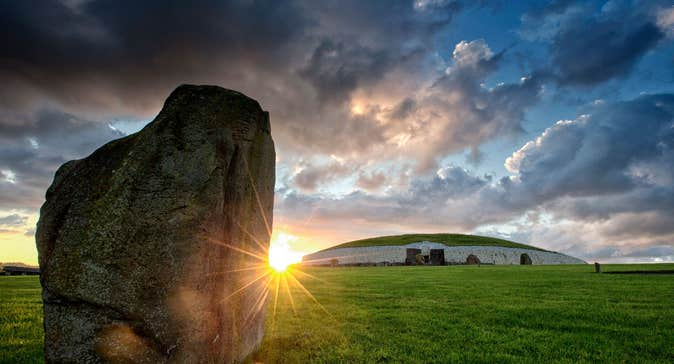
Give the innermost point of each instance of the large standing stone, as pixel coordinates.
(145, 245)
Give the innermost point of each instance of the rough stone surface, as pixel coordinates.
(141, 243)
(453, 255)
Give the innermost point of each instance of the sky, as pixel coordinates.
(548, 123)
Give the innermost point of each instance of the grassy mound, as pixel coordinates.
(447, 239)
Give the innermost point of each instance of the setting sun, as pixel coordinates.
(280, 254)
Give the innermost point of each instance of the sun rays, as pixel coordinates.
(268, 279)
(264, 272)
(267, 274)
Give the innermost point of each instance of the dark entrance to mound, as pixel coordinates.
(525, 259)
(437, 257)
(472, 260)
(411, 257)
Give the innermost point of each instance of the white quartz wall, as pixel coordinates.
(456, 254)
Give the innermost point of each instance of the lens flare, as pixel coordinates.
(275, 264)
(280, 254)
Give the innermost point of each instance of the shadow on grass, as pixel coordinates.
(642, 272)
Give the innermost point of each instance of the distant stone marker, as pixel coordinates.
(144, 246)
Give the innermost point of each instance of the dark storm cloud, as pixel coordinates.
(335, 69)
(362, 40)
(32, 147)
(596, 51)
(112, 54)
(382, 23)
(590, 45)
(98, 53)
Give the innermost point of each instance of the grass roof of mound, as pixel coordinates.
(447, 239)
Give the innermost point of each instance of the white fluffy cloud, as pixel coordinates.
(468, 54)
(665, 20)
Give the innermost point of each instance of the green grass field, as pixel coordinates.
(20, 320)
(447, 239)
(436, 314)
